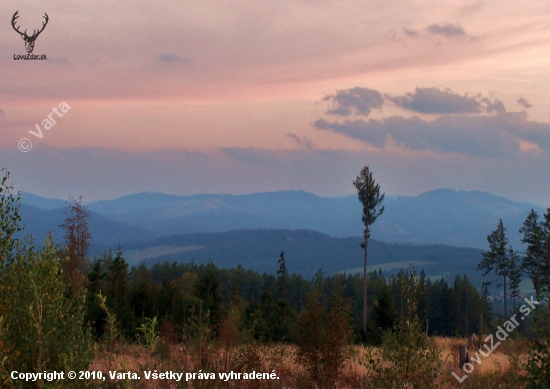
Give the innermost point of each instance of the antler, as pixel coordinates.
(15, 16)
(35, 34)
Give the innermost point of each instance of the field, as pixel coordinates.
(501, 368)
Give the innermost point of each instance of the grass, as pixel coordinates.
(496, 371)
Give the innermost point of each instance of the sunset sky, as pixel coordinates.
(189, 97)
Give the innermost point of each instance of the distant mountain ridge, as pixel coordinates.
(306, 251)
(105, 233)
(442, 216)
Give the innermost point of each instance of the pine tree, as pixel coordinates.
(118, 282)
(383, 312)
(515, 274)
(371, 199)
(282, 276)
(533, 261)
(496, 259)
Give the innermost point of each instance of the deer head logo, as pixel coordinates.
(29, 40)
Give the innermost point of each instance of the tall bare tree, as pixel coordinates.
(78, 238)
(370, 197)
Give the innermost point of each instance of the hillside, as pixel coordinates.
(444, 216)
(105, 232)
(306, 252)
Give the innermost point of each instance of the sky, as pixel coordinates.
(239, 97)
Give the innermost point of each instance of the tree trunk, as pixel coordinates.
(505, 310)
(365, 284)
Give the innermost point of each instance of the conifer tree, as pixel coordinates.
(282, 276)
(118, 284)
(533, 261)
(384, 311)
(496, 259)
(515, 274)
(371, 199)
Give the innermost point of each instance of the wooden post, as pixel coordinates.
(463, 356)
(426, 328)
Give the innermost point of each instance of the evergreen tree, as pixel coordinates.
(533, 261)
(383, 312)
(95, 316)
(407, 357)
(282, 276)
(118, 282)
(515, 274)
(371, 199)
(208, 291)
(496, 259)
(439, 309)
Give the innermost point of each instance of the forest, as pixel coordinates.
(62, 310)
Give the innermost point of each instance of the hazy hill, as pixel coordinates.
(306, 252)
(444, 216)
(105, 232)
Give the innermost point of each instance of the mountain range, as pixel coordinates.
(443, 216)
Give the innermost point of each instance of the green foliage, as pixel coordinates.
(208, 291)
(496, 259)
(535, 236)
(150, 336)
(44, 330)
(538, 365)
(407, 358)
(200, 337)
(112, 331)
(515, 274)
(383, 313)
(369, 195)
(323, 339)
(282, 276)
(9, 219)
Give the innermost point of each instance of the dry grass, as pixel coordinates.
(265, 358)
(496, 361)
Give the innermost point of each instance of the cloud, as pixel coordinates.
(171, 58)
(354, 101)
(447, 30)
(410, 33)
(495, 106)
(437, 101)
(2, 112)
(303, 143)
(524, 102)
(479, 136)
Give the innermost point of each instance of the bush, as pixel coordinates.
(323, 340)
(41, 328)
(408, 359)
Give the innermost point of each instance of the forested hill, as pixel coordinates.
(444, 216)
(306, 252)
